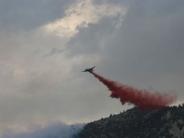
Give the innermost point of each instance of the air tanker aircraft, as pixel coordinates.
(90, 70)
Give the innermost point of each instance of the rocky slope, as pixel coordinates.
(135, 123)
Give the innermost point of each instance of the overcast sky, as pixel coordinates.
(44, 45)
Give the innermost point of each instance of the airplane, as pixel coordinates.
(89, 69)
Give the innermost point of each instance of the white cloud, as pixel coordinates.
(80, 15)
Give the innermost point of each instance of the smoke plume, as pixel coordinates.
(141, 98)
(56, 130)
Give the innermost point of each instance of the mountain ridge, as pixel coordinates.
(167, 122)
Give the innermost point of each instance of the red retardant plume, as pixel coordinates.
(140, 98)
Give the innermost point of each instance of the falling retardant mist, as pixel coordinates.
(143, 99)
